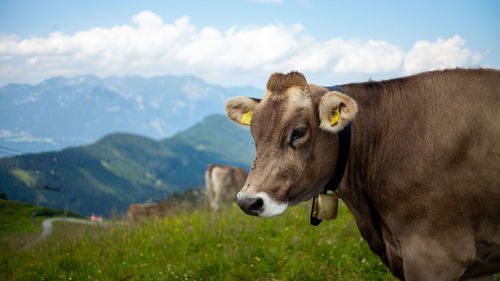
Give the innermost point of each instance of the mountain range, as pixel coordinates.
(123, 168)
(62, 112)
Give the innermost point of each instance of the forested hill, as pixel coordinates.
(120, 168)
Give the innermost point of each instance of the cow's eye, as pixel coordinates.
(297, 134)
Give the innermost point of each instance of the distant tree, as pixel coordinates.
(48, 212)
(3, 196)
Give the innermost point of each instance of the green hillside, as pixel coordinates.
(210, 135)
(16, 217)
(121, 168)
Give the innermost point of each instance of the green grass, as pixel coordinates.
(16, 217)
(192, 244)
(16, 223)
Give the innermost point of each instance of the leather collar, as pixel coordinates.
(344, 146)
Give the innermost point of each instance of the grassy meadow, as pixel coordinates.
(16, 222)
(192, 244)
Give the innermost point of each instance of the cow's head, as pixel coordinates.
(292, 128)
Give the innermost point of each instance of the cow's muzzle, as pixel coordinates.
(259, 204)
(251, 206)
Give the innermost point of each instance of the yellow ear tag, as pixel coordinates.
(335, 117)
(247, 117)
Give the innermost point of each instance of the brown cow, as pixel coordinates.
(423, 172)
(222, 184)
(138, 212)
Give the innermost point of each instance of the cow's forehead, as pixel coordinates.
(292, 98)
(277, 109)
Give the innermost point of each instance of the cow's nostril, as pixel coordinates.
(257, 206)
(251, 206)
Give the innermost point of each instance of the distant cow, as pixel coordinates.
(222, 184)
(422, 177)
(138, 212)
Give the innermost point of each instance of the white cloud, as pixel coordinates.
(238, 55)
(32, 60)
(6, 134)
(440, 54)
(23, 136)
(341, 56)
(148, 20)
(373, 56)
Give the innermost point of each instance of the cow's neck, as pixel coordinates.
(362, 178)
(368, 134)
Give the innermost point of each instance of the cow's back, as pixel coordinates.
(138, 212)
(440, 127)
(134, 212)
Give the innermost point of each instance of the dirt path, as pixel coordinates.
(47, 228)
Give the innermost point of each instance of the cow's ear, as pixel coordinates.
(240, 109)
(336, 110)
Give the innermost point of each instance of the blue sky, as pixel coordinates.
(242, 42)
